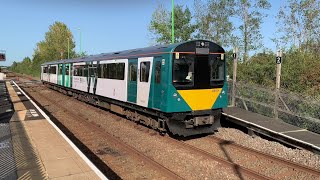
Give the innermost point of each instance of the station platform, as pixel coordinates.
(32, 147)
(274, 128)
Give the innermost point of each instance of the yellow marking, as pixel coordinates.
(200, 99)
(21, 115)
(17, 104)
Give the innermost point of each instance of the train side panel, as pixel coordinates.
(113, 88)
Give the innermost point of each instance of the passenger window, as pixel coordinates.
(45, 69)
(158, 72)
(111, 71)
(53, 70)
(60, 70)
(144, 71)
(92, 70)
(100, 70)
(133, 72)
(67, 70)
(85, 71)
(120, 71)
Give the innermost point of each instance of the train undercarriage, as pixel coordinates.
(182, 124)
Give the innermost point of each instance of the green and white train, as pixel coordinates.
(178, 87)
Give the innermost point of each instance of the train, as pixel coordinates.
(180, 87)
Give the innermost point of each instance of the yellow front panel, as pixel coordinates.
(200, 99)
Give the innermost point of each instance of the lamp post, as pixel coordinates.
(172, 22)
(68, 48)
(80, 41)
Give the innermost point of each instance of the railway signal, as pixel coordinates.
(2, 56)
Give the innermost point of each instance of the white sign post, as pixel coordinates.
(278, 75)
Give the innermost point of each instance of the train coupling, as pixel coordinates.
(199, 121)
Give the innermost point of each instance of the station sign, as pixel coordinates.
(278, 60)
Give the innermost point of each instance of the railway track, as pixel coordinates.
(237, 169)
(294, 167)
(110, 138)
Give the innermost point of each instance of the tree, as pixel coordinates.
(299, 24)
(213, 21)
(14, 65)
(53, 47)
(250, 15)
(55, 44)
(160, 25)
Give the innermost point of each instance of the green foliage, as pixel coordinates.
(300, 71)
(298, 25)
(23, 67)
(259, 70)
(213, 21)
(55, 44)
(53, 47)
(160, 25)
(250, 14)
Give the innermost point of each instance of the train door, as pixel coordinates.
(144, 80)
(49, 72)
(156, 83)
(93, 75)
(60, 74)
(67, 76)
(71, 71)
(132, 80)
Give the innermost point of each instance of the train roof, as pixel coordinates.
(131, 53)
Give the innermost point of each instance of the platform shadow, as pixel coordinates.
(28, 163)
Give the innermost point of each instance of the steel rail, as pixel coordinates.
(235, 167)
(293, 165)
(131, 150)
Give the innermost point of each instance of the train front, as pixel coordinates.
(198, 91)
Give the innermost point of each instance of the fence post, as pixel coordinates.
(278, 75)
(234, 78)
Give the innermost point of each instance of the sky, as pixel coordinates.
(105, 25)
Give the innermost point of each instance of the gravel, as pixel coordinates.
(181, 161)
(303, 157)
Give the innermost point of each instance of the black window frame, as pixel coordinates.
(45, 69)
(217, 59)
(147, 72)
(67, 70)
(157, 73)
(78, 70)
(60, 69)
(92, 70)
(133, 77)
(114, 71)
(175, 82)
(51, 71)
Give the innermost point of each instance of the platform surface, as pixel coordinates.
(31, 148)
(274, 125)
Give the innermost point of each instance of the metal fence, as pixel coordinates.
(295, 109)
